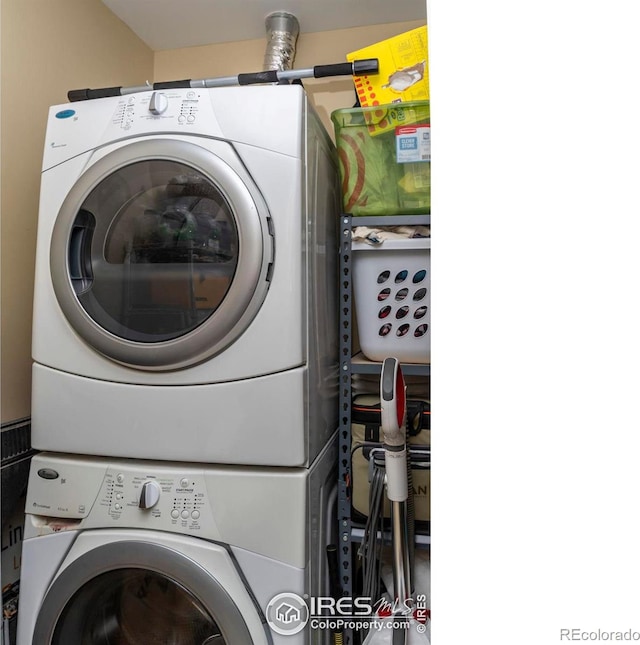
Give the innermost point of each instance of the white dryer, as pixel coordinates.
(133, 553)
(185, 301)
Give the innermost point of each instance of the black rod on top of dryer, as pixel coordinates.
(355, 68)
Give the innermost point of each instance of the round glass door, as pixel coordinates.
(135, 607)
(138, 593)
(160, 254)
(153, 251)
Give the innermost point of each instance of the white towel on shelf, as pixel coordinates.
(377, 236)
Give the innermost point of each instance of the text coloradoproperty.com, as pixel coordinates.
(599, 635)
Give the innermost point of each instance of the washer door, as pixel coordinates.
(164, 598)
(161, 253)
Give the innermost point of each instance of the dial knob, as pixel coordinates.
(158, 103)
(149, 495)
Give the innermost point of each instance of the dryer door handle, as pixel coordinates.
(79, 257)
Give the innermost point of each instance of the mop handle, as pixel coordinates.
(355, 68)
(393, 416)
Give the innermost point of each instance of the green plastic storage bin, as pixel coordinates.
(385, 158)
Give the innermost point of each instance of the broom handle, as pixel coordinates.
(393, 417)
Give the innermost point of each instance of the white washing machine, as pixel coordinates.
(132, 553)
(185, 301)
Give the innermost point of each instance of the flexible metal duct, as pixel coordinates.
(282, 33)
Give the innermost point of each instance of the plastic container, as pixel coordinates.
(392, 295)
(385, 158)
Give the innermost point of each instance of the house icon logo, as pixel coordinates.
(287, 614)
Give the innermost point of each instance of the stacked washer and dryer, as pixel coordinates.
(185, 369)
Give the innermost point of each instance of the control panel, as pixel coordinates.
(123, 494)
(181, 107)
(175, 500)
(224, 503)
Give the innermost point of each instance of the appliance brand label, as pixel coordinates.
(65, 114)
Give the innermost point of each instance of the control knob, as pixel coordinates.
(149, 495)
(158, 103)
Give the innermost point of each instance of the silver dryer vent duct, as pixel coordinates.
(282, 33)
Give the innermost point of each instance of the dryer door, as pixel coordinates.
(161, 253)
(135, 593)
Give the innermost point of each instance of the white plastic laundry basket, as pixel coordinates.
(391, 287)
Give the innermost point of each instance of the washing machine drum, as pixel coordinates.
(161, 253)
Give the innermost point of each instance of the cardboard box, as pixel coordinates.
(403, 70)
